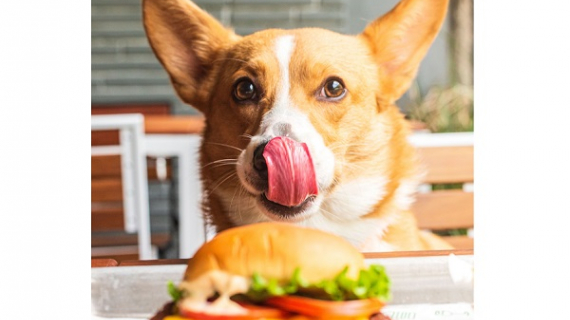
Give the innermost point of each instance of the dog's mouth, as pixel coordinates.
(291, 177)
(283, 178)
(279, 212)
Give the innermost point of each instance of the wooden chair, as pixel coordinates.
(445, 200)
(110, 236)
(168, 139)
(119, 188)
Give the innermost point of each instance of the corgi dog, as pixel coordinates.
(301, 125)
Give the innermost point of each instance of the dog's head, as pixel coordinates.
(301, 124)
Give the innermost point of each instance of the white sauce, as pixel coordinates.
(203, 287)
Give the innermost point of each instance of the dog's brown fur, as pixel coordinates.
(365, 131)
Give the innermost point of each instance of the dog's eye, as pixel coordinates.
(244, 90)
(333, 88)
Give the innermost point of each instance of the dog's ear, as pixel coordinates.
(400, 39)
(187, 41)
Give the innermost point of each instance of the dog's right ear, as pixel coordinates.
(187, 41)
(400, 39)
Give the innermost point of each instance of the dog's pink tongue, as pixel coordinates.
(290, 172)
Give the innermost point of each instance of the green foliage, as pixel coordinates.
(447, 109)
(446, 186)
(451, 232)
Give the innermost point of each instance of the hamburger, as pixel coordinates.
(277, 271)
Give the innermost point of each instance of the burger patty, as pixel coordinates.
(167, 311)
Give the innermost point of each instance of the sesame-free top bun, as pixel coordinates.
(274, 250)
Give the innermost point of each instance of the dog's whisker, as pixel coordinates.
(230, 161)
(327, 214)
(234, 196)
(223, 160)
(232, 165)
(225, 145)
(242, 191)
(225, 178)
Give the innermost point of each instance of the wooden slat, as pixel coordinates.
(445, 209)
(126, 263)
(447, 164)
(108, 239)
(116, 253)
(121, 257)
(122, 246)
(173, 124)
(106, 190)
(98, 263)
(106, 166)
(105, 138)
(107, 218)
(460, 242)
(110, 167)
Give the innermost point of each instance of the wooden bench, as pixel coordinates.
(445, 200)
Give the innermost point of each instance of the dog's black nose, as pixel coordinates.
(259, 163)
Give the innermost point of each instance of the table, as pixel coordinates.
(421, 283)
(367, 255)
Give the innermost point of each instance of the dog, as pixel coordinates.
(301, 125)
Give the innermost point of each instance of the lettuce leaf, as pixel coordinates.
(371, 283)
(174, 292)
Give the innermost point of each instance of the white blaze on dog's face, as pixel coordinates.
(285, 119)
(301, 124)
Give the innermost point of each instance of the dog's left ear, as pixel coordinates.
(187, 41)
(399, 41)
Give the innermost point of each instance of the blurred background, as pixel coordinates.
(127, 78)
(125, 71)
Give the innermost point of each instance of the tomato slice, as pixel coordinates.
(253, 313)
(321, 308)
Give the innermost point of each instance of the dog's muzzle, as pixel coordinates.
(285, 170)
